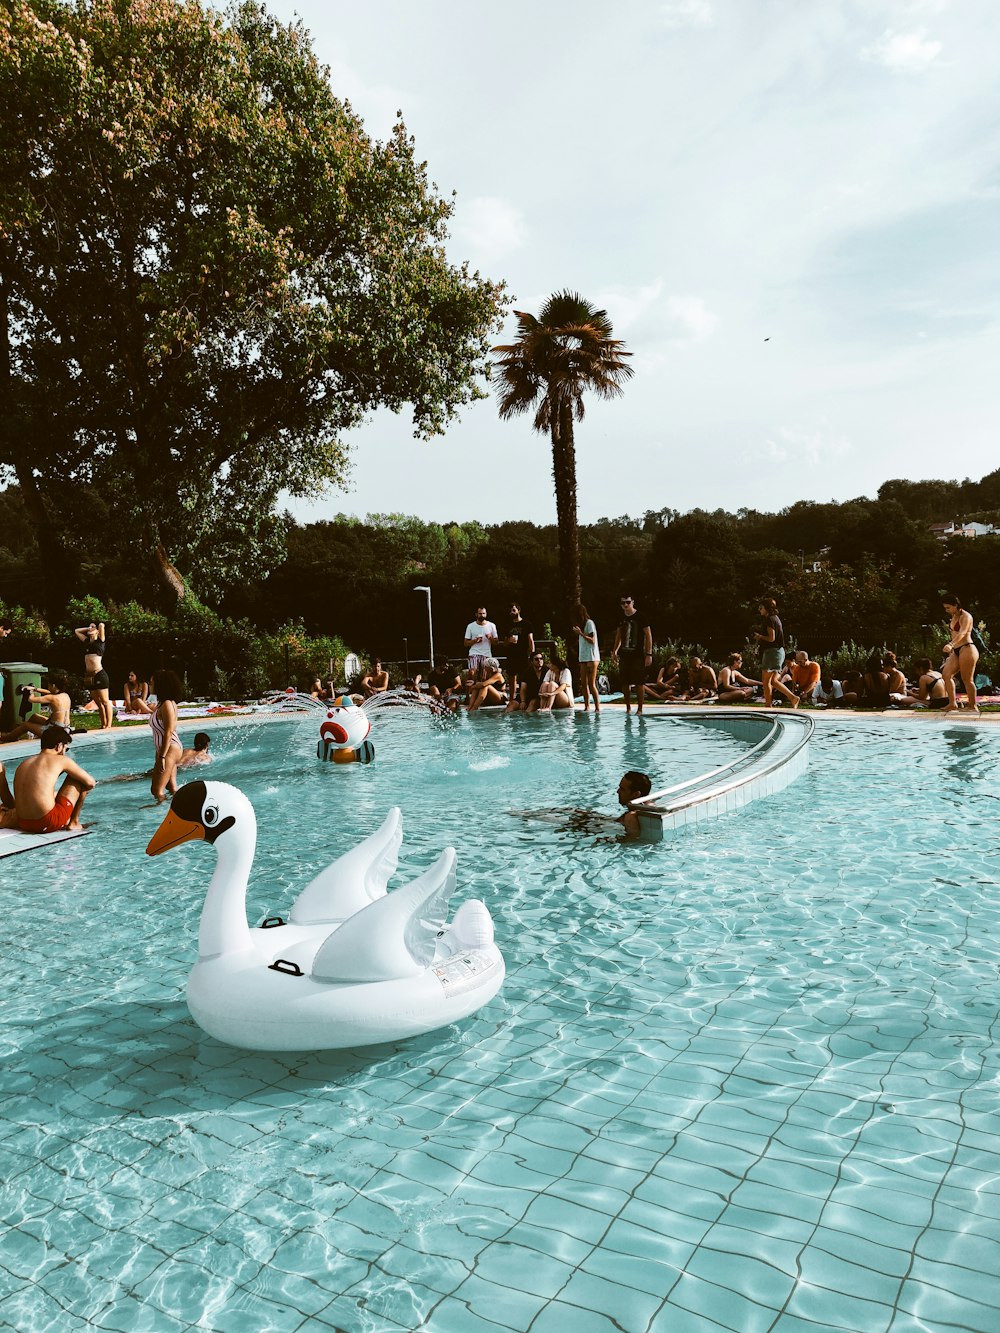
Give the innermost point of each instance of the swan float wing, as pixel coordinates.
(394, 936)
(354, 880)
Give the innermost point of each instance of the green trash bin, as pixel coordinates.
(16, 674)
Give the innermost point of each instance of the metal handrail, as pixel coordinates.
(693, 791)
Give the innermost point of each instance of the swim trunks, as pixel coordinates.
(56, 820)
(100, 680)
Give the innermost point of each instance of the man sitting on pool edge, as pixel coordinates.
(632, 787)
(37, 807)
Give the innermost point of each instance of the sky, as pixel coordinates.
(790, 210)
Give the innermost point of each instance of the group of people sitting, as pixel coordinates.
(882, 683)
(542, 683)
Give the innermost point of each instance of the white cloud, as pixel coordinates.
(685, 13)
(489, 226)
(690, 320)
(903, 52)
(815, 447)
(376, 103)
(650, 315)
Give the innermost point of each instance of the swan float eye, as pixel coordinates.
(210, 816)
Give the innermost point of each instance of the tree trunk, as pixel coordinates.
(171, 580)
(564, 476)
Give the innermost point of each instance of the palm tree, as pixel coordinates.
(567, 349)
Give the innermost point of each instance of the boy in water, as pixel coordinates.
(198, 754)
(632, 787)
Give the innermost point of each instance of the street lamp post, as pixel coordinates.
(430, 623)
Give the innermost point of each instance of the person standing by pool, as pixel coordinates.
(634, 650)
(589, 653)
(35, 806)
(93, 638)
(480, 638)
(771, 637)
(520, 644)
(962, 657)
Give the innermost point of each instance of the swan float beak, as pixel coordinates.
(172, 832)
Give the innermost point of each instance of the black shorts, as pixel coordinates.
(632, 666)
(100, 680)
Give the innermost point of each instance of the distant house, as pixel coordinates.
(943, 531)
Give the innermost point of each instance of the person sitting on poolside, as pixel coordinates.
(930, 690)
(533, 678)
(444, 680)
(375, 681)
(701, 680)
(487, 686)
(829, 692)
(56, 699)
(805, 676)
(134, 690)
(198, 753)
(667, 682)
(35, 806)
(899, 693)
(555, 690)
(734, 687)
(632, 787)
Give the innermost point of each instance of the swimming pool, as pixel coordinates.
(743, 1079)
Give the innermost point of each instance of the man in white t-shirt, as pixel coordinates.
(480, 638)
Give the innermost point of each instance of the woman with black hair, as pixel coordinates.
(962, 655)
(163, 723)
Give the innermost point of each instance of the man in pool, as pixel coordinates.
(37, 806)
(632, 787)
(198, 754)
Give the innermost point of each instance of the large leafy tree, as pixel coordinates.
(566, 351)
(209, 274)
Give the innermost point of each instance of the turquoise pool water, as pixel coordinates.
(744, 1079)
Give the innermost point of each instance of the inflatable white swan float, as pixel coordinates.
(352, 965)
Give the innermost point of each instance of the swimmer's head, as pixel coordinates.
(202, 740)
(633, 786)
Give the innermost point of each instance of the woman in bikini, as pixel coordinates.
(96, 678)
(931, 691)
(962, 657)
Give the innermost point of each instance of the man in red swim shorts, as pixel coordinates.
(37, 807)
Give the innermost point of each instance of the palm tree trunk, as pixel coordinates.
(564, 477)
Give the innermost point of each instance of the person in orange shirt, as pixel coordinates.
(805, 676)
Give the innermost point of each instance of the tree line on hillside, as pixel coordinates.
(863, 571)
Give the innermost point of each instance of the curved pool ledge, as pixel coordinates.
(778, 754)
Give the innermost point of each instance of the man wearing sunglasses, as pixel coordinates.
(633, 651)
(527, 698)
